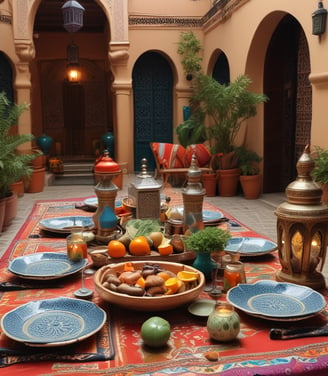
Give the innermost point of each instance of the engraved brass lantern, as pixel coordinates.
(302, 228)
(193, 198)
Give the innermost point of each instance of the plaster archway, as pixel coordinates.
(260, 135)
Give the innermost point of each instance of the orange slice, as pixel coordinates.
(172, 284)
(187, 276)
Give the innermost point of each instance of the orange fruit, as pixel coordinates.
(139, 246)
(116, 249)
(172, 284)
(187, 276)
(165, 249)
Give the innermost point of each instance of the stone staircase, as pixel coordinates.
(75, 173)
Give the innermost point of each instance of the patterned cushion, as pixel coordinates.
(169, 155)
(202, 153)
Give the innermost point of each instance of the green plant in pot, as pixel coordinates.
(250, 178)
(203, 243)
(189, 48)
(13, 164)
(320, 171)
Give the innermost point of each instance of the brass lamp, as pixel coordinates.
(145, 193)
(193, 198)
(302, 229)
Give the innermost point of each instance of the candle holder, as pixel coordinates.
(223, 323)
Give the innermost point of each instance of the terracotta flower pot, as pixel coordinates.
(228, 181)
(18, 187)
(209, 183)
(36, 182)
(2, 213)
(251, 185)
(11, 204)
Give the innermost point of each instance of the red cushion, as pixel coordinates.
(169, 155)
(202, 153)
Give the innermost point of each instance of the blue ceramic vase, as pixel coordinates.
(205, 264)
(108, 141)
(44, 142)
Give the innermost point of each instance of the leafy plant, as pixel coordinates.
(189, 47)
(248, 161)
(13, 165)
(320, 171)
(225, 107)
(208, 239)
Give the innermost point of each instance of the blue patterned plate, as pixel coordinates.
(276, 300)
(211, 216)
(53, 322)
(250, 246)
(65, 224)
(48, 265)
(92, 202)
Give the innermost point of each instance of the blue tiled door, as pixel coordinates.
(152, 91)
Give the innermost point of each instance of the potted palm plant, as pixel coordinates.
(320, 171)
(203, 243)
(217, 114)
(250, 178)
(13, 165)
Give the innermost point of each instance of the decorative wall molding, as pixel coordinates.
(221, 10)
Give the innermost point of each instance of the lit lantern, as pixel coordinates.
(302, 229)
(145, 193)
(73, 16)
(73, 66)
(193, 198)
(104, 218)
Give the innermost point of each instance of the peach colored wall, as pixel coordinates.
(242, 35)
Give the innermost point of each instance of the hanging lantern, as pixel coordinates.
(73, 66)
(319, 20)
(73, 16)
(302, 229)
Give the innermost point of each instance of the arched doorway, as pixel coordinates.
(6, 77)
(74, 114)
(221, 70)
(152, 90)
(287, 114)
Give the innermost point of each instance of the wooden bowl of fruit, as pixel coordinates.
(148, 286)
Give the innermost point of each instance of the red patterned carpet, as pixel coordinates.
(118, 350)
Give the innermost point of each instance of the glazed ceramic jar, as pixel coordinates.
(223, 323)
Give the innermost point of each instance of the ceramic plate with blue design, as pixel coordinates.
(92, 202)
(276, 300)
(53, 322)
(47, 265)
(211, 216)
(65, 224)
(250, 246)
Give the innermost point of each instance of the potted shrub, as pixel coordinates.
(189, 48)
(203, 243)
(13, 165)
(250, 178)
(217, 114)
(320, 171)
